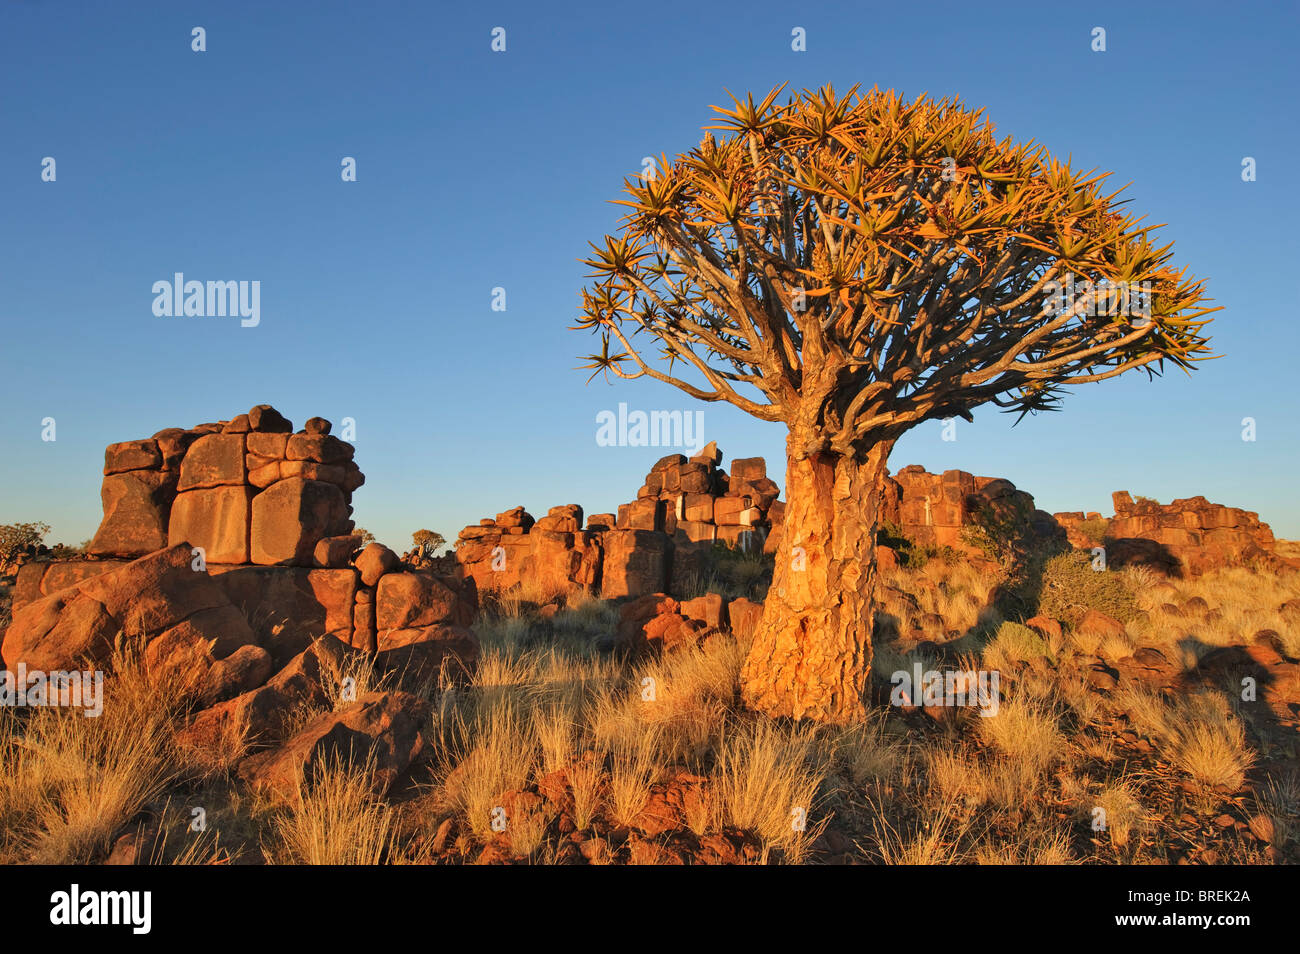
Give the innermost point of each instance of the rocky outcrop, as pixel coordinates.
(944, 509)
(1189, 536)
(247, 490)
(186, 619)
(651, 544)
(380, 734)
(257, 553)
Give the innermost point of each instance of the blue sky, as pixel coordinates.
(478, 170)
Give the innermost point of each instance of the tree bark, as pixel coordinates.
(811, 655)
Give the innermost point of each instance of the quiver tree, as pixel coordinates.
(853, 266)
(428, 541)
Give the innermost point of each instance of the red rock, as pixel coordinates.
(633, 617)
(709, 609)
(317, 425)
(132, 455)
(727, 511)
(601, 521)
(383, 732)
(237, 425)
(336, 552)
(215, 519)
(374, 561)
(244, 669)
(364, 633)
(745, 538)
(265, 418)
(137, 507)
(428, 653)
(310, 470)
(643, 514)
(264, 476)
(290, 606)
(635, 563)
(291, 517)
(173, 442)
(1099, 624)
(214, 460)
(352, 477)
(146, 596)
(155, 592)
(60, 632)
(217, 632)
(262, 715)
(672, 631)
(745, 616)
(268, 445)
(672, 460)
(322, 448)
(698, 507)
(708, 455)
(693, 531)
(695, 480)
(748, 468)
(417, 599)
(27, 584)
(515, 517)
(1045, 626)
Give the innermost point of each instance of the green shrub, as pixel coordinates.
(16, 537)
(1001, 531)
(1016, 642)
(1095, 529)
(1071, 587)
(911, 554)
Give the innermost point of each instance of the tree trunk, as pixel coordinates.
(812, 652)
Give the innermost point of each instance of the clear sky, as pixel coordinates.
(478, 170)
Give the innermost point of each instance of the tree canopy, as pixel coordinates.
(855, 265)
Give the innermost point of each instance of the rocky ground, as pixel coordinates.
(1141, 719)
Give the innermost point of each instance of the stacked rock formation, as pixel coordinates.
(1189, 535)
(262, 515)
(696, 502)
(247, 490)
(252, 643)
(652, 543)
(938, 509)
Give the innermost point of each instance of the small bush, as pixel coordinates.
(913, 555)
(1015, 643)
(18, 537)
(1071, 587)
(1001, 530)
(1095, 529)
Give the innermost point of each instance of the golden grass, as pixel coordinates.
(866, 751)
(336, 820)
(496, 756)
(1018, 787)
(933, 842)
(1116, 813)
(634, 767)
(71, 782)
(766, 781)
(1199, 733)
(586, 784)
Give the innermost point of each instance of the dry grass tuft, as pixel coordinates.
(335, 821)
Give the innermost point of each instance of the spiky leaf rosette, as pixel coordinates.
(858, 264)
